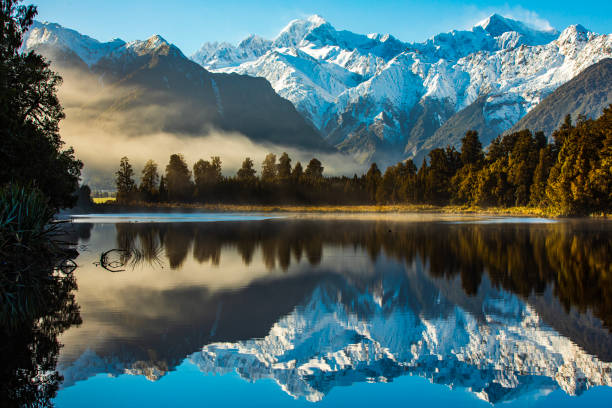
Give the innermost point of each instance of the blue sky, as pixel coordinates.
(188, 23)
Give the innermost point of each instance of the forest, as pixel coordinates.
(571, 175)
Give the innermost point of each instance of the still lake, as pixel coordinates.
(318, 311)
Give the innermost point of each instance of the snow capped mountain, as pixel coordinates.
(370, 92)
(91, 51)
(505, 28)
(155, 74)
(323, 343)
(88, 49)
(362, 329)
(376, 97)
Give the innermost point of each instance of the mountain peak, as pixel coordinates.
(156, 41)
(155, 44)
(496, 25)
(502, 28)
(296, 30)
(317, 20)
(574, 33)
(85, 47)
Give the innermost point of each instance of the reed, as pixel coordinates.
(29, 252)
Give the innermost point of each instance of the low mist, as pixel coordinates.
(103, 126)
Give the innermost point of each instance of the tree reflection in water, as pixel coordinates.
(30, 345)
(35, 308)
(573, 257)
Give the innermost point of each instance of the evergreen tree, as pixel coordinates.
(126, 186)
(207, 173)
(601, 174)
(284, 167)
(409, 186)
(495, 151)
(314, 170)
(540, 177)
(246, 173)
(471, 149)
(268, 169)
(442, 166)
(373, 179)
(571, 189)
(207, 176)
(178, 179)
(31, 151)
(297, 173)
(522, 162)
(149, 182)
(163, 189)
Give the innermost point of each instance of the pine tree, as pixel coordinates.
(178, 179)
(268, 169)
(126, 186)
(246, 173)
(471, 149)
(540, 178)
(314, 170)
(601, 175)
(149, 182)
(163, 189)
(284, 167)
(522, 162)
(373, 179)
(297, 173)
(571, 188)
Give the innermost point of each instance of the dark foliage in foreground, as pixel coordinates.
(31, 151)
(36, 297)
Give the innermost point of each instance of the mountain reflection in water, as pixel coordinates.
(499, 309)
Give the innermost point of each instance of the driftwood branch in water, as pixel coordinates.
(112, 265)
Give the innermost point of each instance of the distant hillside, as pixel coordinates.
(452, 131)
(143, 87)
(586, 94)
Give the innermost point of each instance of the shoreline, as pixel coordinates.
(332, 209)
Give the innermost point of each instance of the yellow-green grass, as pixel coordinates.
(102, 200)
(387, 209)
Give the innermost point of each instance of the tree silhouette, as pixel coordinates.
(149, 182)
(126, 186)
(269, 169)
(284, 167)
(31, 151)
(372, 179)
(314, 170)
(246, 173)
(178, 179)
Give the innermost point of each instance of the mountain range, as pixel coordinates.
(374, 93)
(372, 96)
(141, 87)
(317, 304)
(342, 330)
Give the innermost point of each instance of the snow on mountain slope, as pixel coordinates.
(88, 49)
(377, 97)
(323, 344)
(505, 28)
(358, 329)
(514, 65)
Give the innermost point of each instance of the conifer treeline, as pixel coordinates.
(571, 175)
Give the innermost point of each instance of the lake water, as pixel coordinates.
(307, 311)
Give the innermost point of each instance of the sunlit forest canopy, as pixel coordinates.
(571, 175)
